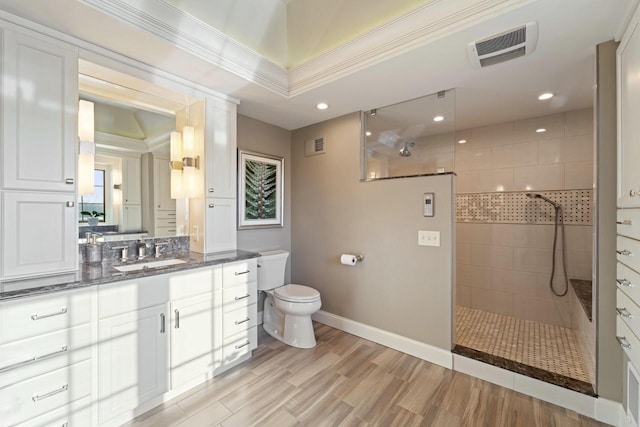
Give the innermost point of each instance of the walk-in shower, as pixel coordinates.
(559, 223)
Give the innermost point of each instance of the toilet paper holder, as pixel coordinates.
(351, 259)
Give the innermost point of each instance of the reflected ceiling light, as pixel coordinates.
(87, 148)
(541, 130)
(545, 96)
(438, 118)
(462, 141)
(184, 163)
(368, 133)
(322, 106)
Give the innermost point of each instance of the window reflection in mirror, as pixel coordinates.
(410, 138)
(94, 203)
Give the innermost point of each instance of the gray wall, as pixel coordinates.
(609, 353)
(399, 287)
(261, 137)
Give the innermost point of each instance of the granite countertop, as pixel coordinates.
(91, 275)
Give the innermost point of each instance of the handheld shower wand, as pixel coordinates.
(559, 221)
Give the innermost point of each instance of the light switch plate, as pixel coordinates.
(428, 238)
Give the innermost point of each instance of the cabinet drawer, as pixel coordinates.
(629, 342)
(28, 358)
(171, 215)
(39, 395)
(628, 311)
(628, 252)
(628, 223)
(76, 414)
(239, 296)
(239, 345)
(30, 317)
(237, 273)
(628, 281)
(239, 320)
(166, 222)
(193, 282)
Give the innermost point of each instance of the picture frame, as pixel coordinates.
(260, 190)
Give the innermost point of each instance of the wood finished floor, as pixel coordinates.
(349, 381)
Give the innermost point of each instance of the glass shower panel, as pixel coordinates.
(410, 138)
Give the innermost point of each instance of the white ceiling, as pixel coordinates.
(383, 68)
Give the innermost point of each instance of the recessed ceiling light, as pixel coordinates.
(368, 133)
(322, 106)
(462, 141)
(438, 118)
(541, 130)
(545, 96)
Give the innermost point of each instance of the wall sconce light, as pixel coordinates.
(87, 148)
(184, 164)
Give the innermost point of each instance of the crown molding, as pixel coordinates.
(194, 36)
(419, 27)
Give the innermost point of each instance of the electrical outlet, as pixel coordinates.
(428, 238)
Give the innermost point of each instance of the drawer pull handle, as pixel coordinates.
(162, 326)
(624, 252)
(624, 282)
(177, 313)
(623, 342)
(238, 347)
(210, 190)
(68, 181)
(33, 359)
(38, 397)
(239, 298)
(211, 205)
(623, 312)
(240, 322)
(625, 222)
(63, 310)
(171, 214)
(241, 273)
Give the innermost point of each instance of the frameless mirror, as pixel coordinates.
(410, 138)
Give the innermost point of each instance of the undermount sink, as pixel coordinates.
(148, 265)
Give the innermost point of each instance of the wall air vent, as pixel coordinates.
(505, 46)
(314, 146)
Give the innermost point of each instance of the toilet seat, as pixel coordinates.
(296, 293)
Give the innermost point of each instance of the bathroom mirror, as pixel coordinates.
(133, 122)
(410, 138)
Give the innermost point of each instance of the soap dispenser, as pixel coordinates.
(92, 250)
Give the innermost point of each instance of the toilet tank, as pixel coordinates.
(271, 268)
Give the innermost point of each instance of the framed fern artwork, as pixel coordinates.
(261, 184)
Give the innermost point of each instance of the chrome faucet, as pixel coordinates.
(125, 252)
(157, 248)
(142, 248)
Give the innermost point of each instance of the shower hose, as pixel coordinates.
(559, 224)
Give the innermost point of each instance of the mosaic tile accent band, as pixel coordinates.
(517, 208)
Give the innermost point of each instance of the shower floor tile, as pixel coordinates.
(547, 347)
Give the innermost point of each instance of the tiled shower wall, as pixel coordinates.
(504, 252)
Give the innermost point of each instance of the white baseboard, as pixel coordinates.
(397, 342)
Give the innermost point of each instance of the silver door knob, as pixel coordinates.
(211, 205)
(210, 190)
(633, 193)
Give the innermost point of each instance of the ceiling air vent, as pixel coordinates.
(314, 146)
(505, 46)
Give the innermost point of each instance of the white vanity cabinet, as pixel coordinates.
(38, 233)
(239, 294)
(628, 61)
(45, 359)
(220, 215)
(39, 119)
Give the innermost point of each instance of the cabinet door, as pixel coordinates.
(220, 225)
(221, 162)
(132, 218)
(39, 233)
(131, 180)
(192, 339)
(39, 111)
(629, 111)
(132, 360)
(162, 185)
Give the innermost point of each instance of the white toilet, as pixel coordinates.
(287, 308)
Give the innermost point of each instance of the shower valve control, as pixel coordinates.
(429, 199)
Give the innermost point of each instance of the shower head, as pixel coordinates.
(546, 199)
(404, 151)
